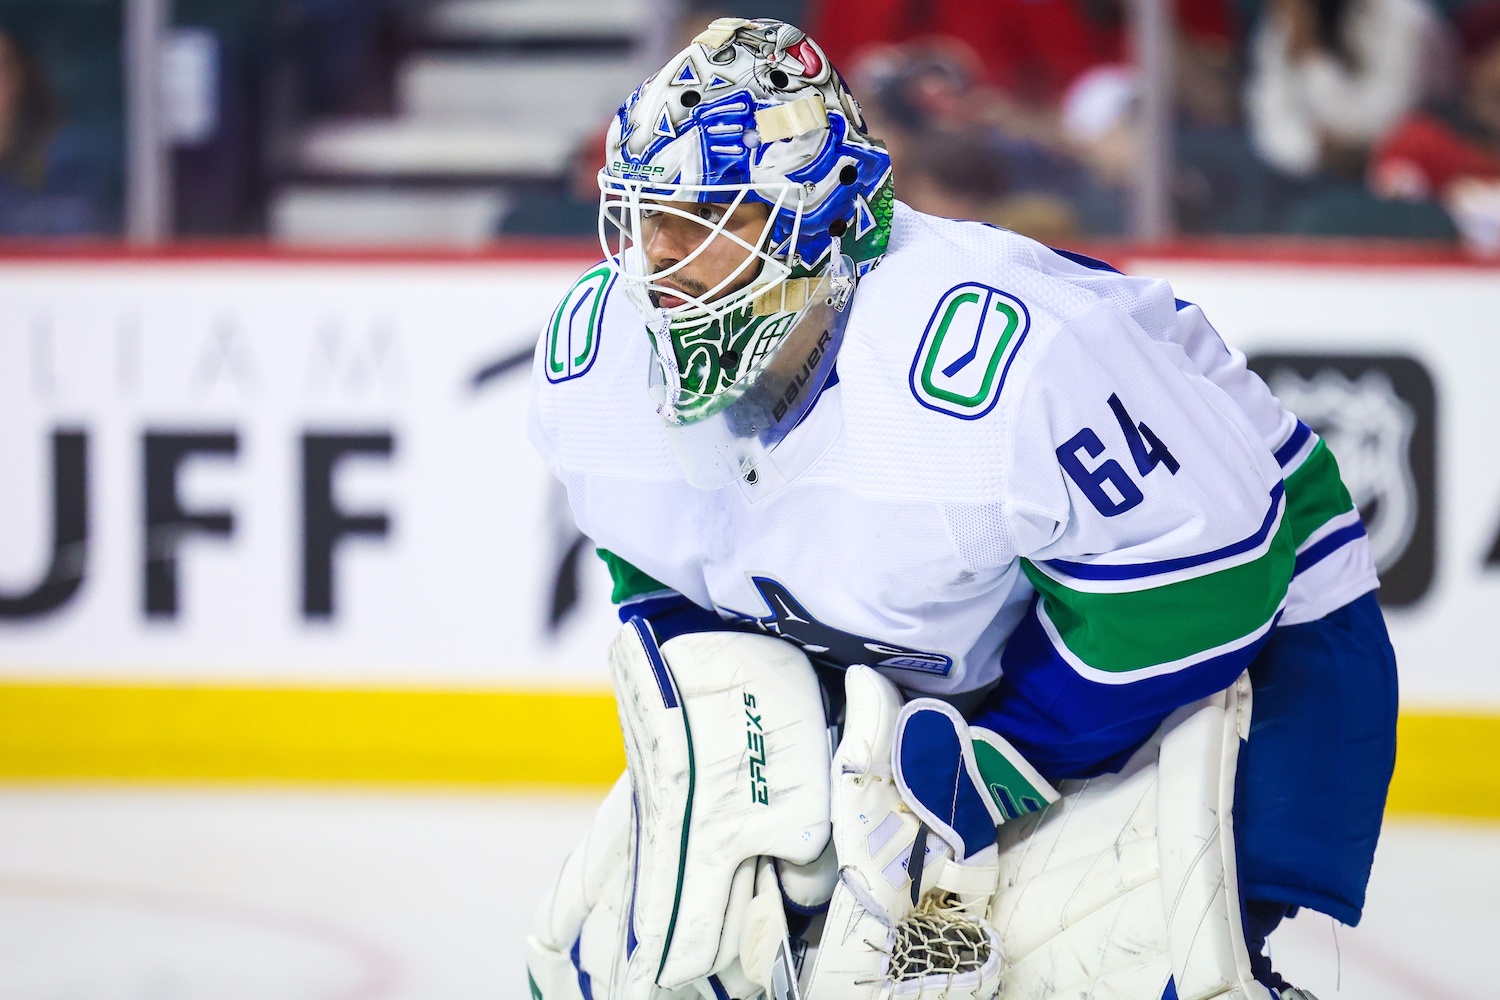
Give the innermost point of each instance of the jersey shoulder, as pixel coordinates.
(949, 332)
(588, 397)
(932, 261)
(974, 354)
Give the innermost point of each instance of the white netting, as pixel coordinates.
(938, 939)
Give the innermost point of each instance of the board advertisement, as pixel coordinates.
(299, 472)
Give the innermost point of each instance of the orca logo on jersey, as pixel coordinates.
(573, 330)
(966, 350)
(826, 645)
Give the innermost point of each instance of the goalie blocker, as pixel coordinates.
(727, 750)
(1126, 888)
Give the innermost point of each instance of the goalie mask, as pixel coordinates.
(749, 122)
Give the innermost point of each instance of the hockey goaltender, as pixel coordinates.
(989, 629)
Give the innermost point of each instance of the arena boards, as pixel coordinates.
(277, 519)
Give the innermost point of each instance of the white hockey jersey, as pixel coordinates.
(1017, 470)
(1334, 561)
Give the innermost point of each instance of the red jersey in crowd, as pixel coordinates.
(1426, 153)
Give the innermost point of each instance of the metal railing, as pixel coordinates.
(149, 180)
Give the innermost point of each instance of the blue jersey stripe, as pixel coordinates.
(658, 665)
(1326, 546)
(1294, 444)
(1136, 571)
(671, 615)
(649, 605)
(1070, 727)
(1092, 263)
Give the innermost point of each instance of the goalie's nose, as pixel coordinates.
(669, 240)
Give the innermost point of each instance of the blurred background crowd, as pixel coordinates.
(453, 122)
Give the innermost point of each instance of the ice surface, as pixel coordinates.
(206, 894)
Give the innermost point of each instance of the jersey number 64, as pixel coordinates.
(1146, 449)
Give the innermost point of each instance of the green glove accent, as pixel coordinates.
(1014, 784)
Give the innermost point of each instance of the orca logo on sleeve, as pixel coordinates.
(966, 350)
(1378, 415)
(573, 330)
(827, 645)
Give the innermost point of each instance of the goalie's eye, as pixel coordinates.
(709, 213)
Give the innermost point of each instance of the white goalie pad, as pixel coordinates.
(577, 931)
(1130, 880)
(578, 938)
(727, 746)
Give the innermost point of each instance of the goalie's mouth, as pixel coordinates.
(666, 300)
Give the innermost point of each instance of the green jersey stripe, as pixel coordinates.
(1123, 632)
(1315, 494)
(628, 581)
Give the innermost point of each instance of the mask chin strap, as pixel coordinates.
(795, 294)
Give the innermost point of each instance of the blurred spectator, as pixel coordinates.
(1331, 77)
(51, 181)
(957, 175)
(1030, 49)
(1030, 53)
(1450, 153)
(954, 175)
(567, 209)
(951, 157)
(346, 54)
(1049, 83)
(220, 178)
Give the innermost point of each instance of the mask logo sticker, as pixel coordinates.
(966, 350)
(573, 330)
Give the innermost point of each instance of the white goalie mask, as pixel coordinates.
(748, 148)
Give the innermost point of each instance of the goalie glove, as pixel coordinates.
(914, 827)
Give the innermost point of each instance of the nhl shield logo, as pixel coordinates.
(573, 330)
(966, 350)
(1368, 428)
(1377, 416)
